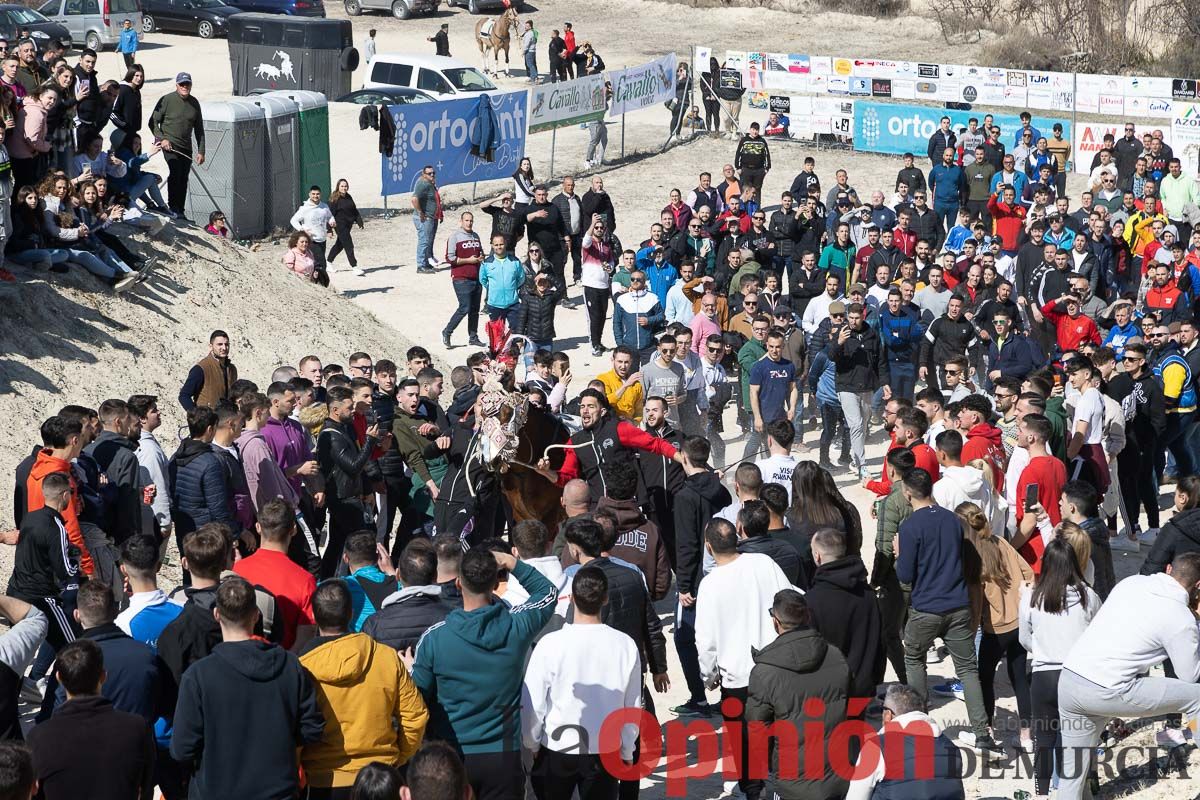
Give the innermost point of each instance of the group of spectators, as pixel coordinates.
(72, 183)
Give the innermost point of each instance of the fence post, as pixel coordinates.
(1074, 112)
(553, 142)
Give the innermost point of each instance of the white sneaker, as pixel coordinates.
(1148, 536)
(932, 656)
(34, 691)
(358, 272)
(1124, 544)
(124, 283)
(1170, 738)
(433, 262)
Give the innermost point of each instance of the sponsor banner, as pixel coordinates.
(701, 62)
(1185, 131)
(892, 128)
(1148, 107)
(832, 116)
(730, 78)
(780, 104)
(556, 105)
(874, 68)
(440, 134)
(1089, 140)
(642, 86)
(1183, 89)
(1142, 86)
(881, 87)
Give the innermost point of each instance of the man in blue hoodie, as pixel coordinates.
(637, 316)
(469, 669)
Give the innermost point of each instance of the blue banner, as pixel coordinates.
(440, 134)
(892, 128)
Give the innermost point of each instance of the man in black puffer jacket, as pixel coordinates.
(199, 486)
(1180, 535)
(535, 317)
(391, 463)
(797, 667)
(409, 612)
(861, 367)
(844, 610)
(950, 335)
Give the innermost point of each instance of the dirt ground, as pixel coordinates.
(413, 308)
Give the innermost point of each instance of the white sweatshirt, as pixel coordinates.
(967, 485)
(1049, 637)
(732, 618)
(1144, 621)
(576, 678)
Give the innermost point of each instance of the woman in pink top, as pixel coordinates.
(298, 258)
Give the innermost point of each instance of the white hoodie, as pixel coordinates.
(862, 788)
(1145, 621)
(967, 485)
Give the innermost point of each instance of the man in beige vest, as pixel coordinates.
(212, 378)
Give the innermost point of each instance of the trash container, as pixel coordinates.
(232, 178)
(313, 163)
(281, 177)
(274, 51)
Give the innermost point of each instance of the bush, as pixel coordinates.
(1020, 49)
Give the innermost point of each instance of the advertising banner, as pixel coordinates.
(442, 134)
(642, 86)
(1185, 132)
(557, 105)
(892, 128)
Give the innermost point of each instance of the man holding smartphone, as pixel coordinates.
(861, 367)
(1041, 482)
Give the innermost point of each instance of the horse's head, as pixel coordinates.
(502, 414)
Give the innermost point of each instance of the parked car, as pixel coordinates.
(96, 24)
(15, 18)
(480, 6)
(292, 8)
(400, 9)
(205, 18)
(392, 96)
(438, 76)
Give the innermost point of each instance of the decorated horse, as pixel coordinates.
(511, 436)
(494, 36)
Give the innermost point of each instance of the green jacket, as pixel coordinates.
(177, 119)
(410, 443)
(1058, 424)
(751, 351)
(891, 512)
(469, 668)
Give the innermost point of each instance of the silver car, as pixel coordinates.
(95, 24)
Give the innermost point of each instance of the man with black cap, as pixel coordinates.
(441, 40)
(176, 119)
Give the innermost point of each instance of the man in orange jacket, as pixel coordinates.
(62, 441)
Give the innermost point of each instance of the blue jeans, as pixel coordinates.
(689, 658)
(425, 241)
(947, 217)
(468, 294)
(531, 66)
(1176, 439)
(148, 185)
(93, 263)
(39, 256)
(509, 314)
(544, 344)
(904, 379)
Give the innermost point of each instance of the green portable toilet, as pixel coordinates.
(313, 140)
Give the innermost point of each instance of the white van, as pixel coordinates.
(442, 77)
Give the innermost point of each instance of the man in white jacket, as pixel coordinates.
(315, 219)
(1146, 619)
(577, 677)
(961, 483)
(732, 619)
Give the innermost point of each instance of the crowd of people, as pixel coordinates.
(72, 180)
(365, 592)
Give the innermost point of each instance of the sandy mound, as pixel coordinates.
(69, 339)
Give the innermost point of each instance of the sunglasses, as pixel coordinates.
(750, 303)
(716, 349)
(954, 372)
(637, 280)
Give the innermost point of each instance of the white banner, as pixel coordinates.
(1185, 132)
(640, 87)
(556, 105)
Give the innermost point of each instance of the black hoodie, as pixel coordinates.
(796, 667)
(117, 456)
(701, 496)
(780, 551)
(251, 704)
(845, 612)
(1180, 535)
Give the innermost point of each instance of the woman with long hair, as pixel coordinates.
(1081, 543)
(60, 118)
(345, 216)
(994, 573)
(29, 243)
(708, 96)
(816, 504)
(1181, 532)
(29, 142)
(523, 182)
(1054, 612)
(66, 230)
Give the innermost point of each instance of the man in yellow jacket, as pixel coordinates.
(623, 385)
(373, 708)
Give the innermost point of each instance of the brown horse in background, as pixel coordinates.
(504, 29)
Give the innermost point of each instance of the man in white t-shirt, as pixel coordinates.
(1085, 449)
(931, 401)
(778, 467)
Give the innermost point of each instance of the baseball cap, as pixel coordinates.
(837, 307)
(183, 77)
(858, 287)
(783, 310)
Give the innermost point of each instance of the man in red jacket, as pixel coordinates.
(1008, 216)
(1073, 328)
(983, 438)
(568, 54)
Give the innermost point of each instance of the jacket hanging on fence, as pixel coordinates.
(485, 136)
(368, 118)
(387, 131)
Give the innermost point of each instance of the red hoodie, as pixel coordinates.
(883, 486)
(44, 465)
(983, 441)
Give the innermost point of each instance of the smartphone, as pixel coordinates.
(1057, 379)
(1031, 496)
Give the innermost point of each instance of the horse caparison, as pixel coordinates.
(504, 29)
(529, 494)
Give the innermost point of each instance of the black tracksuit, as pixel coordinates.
(406, 615)
(945, 339)
(860, 363)
(700, 497)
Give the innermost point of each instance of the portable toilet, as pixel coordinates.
(232, 178)
(314, 140)
(278, 51)
(282, 176)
